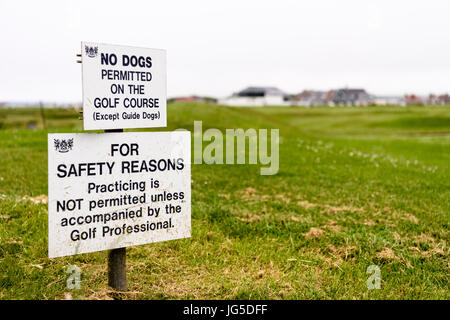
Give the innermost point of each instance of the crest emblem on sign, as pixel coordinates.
(63, 145)
(91, 51)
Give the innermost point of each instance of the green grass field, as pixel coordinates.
(356, 187)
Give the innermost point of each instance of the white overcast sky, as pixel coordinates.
(389, 47)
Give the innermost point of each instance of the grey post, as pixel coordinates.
(117, 269)
(117, 258)
(117, 261)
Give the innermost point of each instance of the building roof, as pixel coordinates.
(310, 94)
(352, 91)
(350, 94)
(260, 92)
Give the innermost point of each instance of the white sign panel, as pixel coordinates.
(114, 190)
(123, 87)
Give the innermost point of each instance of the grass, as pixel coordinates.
(356, 187)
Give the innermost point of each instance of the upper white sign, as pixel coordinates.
(123, 87)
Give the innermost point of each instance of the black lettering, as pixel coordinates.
(62, 173)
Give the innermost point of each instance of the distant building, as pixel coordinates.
(257, 97)
(412, 99)
(339, 97)
(387, 100)
(351, 97)
(192, 99)
(442, 99)
(271, 96)
(310, 98)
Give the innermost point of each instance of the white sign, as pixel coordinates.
(113, 190)
(123, 87)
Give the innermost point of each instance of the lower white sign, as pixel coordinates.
(113, 190)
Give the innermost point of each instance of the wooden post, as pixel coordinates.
(41, 107)
(117, 261)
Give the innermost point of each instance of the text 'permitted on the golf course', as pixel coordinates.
(114, 190)
(123, 87)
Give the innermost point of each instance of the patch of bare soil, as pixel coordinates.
(328, 208)
(36, 200)
(411, 218)
(249, 218)
(314, 233)
(387, 255)
(307, 205)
